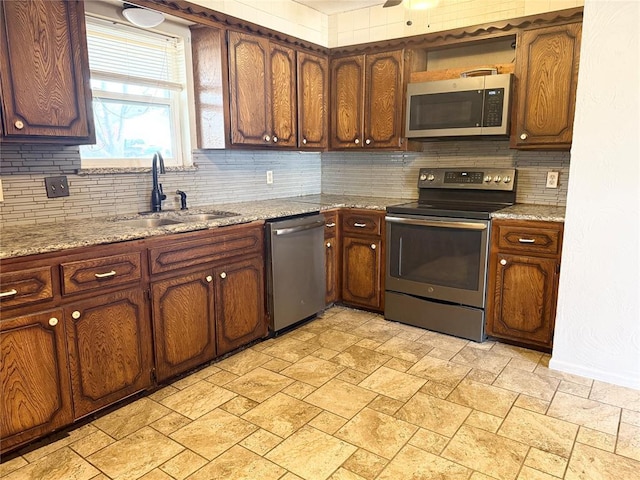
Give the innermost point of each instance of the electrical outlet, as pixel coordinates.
(269, 177)
(552, 179)
(1, 192)
(57, 186)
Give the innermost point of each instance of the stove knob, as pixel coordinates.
(423, 176)
(507, 179)
(487, 178)
(497, 178)
(431, 177)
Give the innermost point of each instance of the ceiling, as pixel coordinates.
(330, 7)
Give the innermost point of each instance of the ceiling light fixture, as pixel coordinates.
(142, 17)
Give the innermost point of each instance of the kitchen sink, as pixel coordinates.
(204, 217)
(150, 222)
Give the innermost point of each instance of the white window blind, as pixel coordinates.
(138, 81)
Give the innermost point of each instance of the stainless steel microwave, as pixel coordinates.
(470, 106)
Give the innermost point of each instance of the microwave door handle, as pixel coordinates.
(438, 223)
(479, 71)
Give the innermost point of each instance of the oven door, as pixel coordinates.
(438, 258)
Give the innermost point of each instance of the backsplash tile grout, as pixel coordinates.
(226, 176)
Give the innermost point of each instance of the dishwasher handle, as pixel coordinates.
(300, 228)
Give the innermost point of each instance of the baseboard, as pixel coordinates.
(603, 376)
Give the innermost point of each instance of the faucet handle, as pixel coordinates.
(162, 195)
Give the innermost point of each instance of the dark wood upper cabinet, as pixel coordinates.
(262, 92)
(547, 61)
(367, 101)
(313, 101)
(347, 102)
(44, 79)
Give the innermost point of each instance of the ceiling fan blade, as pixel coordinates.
(391, 3)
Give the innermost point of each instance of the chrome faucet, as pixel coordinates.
(156, 192)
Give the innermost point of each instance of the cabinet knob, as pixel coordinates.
(75, 315)
(275, 139)
(304, 141)
(18, 124)
(328, 244)
(209, 278)
(373, 246)
(357, 141)
(368, 141)
(523, 136)
(503, 262)
(267, 138)
(223, 275)
(53, 321)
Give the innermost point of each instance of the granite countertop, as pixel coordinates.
(527, 211)
(23, 240)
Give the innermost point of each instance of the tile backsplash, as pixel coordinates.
(231, 176)
(396, 174)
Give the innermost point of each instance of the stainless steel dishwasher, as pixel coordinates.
(295, 269)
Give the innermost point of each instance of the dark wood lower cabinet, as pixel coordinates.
(34, 377)
(331, 263)
(362, 272)
(110, 355)
(184, 327)
(239, 304)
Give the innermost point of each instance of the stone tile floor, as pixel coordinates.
(351, 396)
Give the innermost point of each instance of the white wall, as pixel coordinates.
(598, 323)
(284, 16)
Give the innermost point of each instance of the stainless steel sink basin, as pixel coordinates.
(150, 222)
(203, 217)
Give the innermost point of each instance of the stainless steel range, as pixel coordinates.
(437, 249)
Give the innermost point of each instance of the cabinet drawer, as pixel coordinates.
(539, 238)
(362, 222)
(205, 249)
(25, 286)
(100, 272)
(330, 224)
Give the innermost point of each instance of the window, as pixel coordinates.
(139, 87)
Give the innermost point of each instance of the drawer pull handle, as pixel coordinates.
(112, 273)
(9, 293)
(223, 275)
(359, 225)
(75, 315)
(503, 262)
(53, 321)
(330, 225)
(527, 240)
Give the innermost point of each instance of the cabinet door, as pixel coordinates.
(109, 341)
(547, 76)
(283, 96)
(524, 299)
(347, 100)
(240, 306)
(184, 327)
(34, 376)
(331, 262)
(313, 98)
(45, 71)
(362, 271)
(383, 100)
(249, 89)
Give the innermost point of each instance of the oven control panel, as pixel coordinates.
(476, 178)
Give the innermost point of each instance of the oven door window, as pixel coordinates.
(444, 258)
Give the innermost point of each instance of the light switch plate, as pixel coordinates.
(1, 192)
(57, 186)
(269, 177)
(552, 179)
